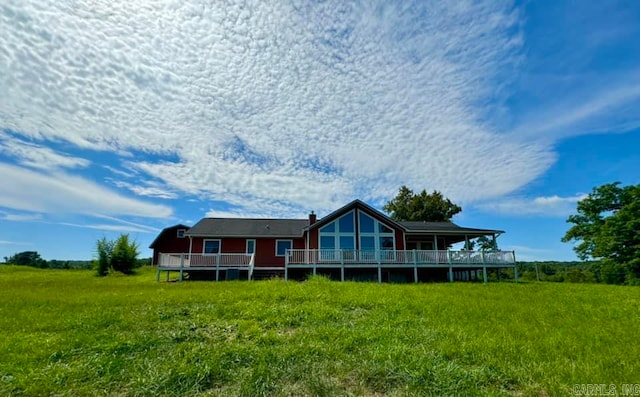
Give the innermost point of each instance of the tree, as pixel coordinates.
(104, 249)
(487, 244)
(408, 206)
(124, 255)
(26, 258)
(120, 255)
(607, 226)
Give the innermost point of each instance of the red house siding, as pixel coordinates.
(168, 242)
(265, 248)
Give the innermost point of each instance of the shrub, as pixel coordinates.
(120, 255)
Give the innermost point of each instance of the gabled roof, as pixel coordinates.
(167, 230)
(354, 204)
(246, 227)
(443, 228)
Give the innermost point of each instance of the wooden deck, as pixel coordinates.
(389, 260)
(459, 265)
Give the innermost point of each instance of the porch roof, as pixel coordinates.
(442, 228)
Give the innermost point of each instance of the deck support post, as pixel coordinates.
(379, 272)
(218, 269)
(415, 267)
(286, 273)
(484, 273)
(181, 266)
(515, 272)
(450, 267)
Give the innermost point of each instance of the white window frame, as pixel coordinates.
(246, 246)
(290, 247)
(204, 245)
(376, 233)
(183, 232)
(337, 233)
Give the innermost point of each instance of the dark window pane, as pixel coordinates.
(386, 243)
(282, 247)
(346, 223)
(346, 243)
(251, 246)
(212, 247)
(367, 243)
(383, 229)
(327, 242)
(366, 224)
(330, 228)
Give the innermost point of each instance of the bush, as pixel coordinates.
(120, 255)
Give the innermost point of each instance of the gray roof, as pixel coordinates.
(443, 227)
(245, 227)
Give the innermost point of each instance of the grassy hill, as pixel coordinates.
(71, 333)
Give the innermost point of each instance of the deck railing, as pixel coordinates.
(421, 257)
(222, 261)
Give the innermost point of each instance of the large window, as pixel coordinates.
(211, 247)
(338, 238)
(339, 234)
(375, 236)
(282, 246)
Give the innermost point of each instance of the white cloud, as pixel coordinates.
(606, 106)
(59, 193)
(6, 242)
(272, 106)
(147, 188)
(555, 206)
(37, 156)
(110, 227)
(22, 217)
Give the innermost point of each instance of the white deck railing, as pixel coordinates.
(222, 261)
(419, 257)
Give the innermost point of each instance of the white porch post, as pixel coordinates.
(450, 266)
(181, 265)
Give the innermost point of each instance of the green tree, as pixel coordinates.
(607, 227)
(26, 258)
(120, 255)
(408, 206)
(104, 250)
(487, 244)
(125, 255)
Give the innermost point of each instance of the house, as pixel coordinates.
(355, 242)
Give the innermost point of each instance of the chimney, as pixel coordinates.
(312, 218)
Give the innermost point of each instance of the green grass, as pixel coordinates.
(68, 332)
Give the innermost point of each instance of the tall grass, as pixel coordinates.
(71, 333)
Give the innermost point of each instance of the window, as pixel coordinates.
(211, 247)
(282, 246)
(250, 247)
(181, 233)
(339, 234)
(375, 236)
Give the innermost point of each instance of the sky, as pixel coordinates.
(131, 116)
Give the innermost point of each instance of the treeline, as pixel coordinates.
(33, 259)
(604, 272)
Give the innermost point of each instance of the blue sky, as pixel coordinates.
(127, 117)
